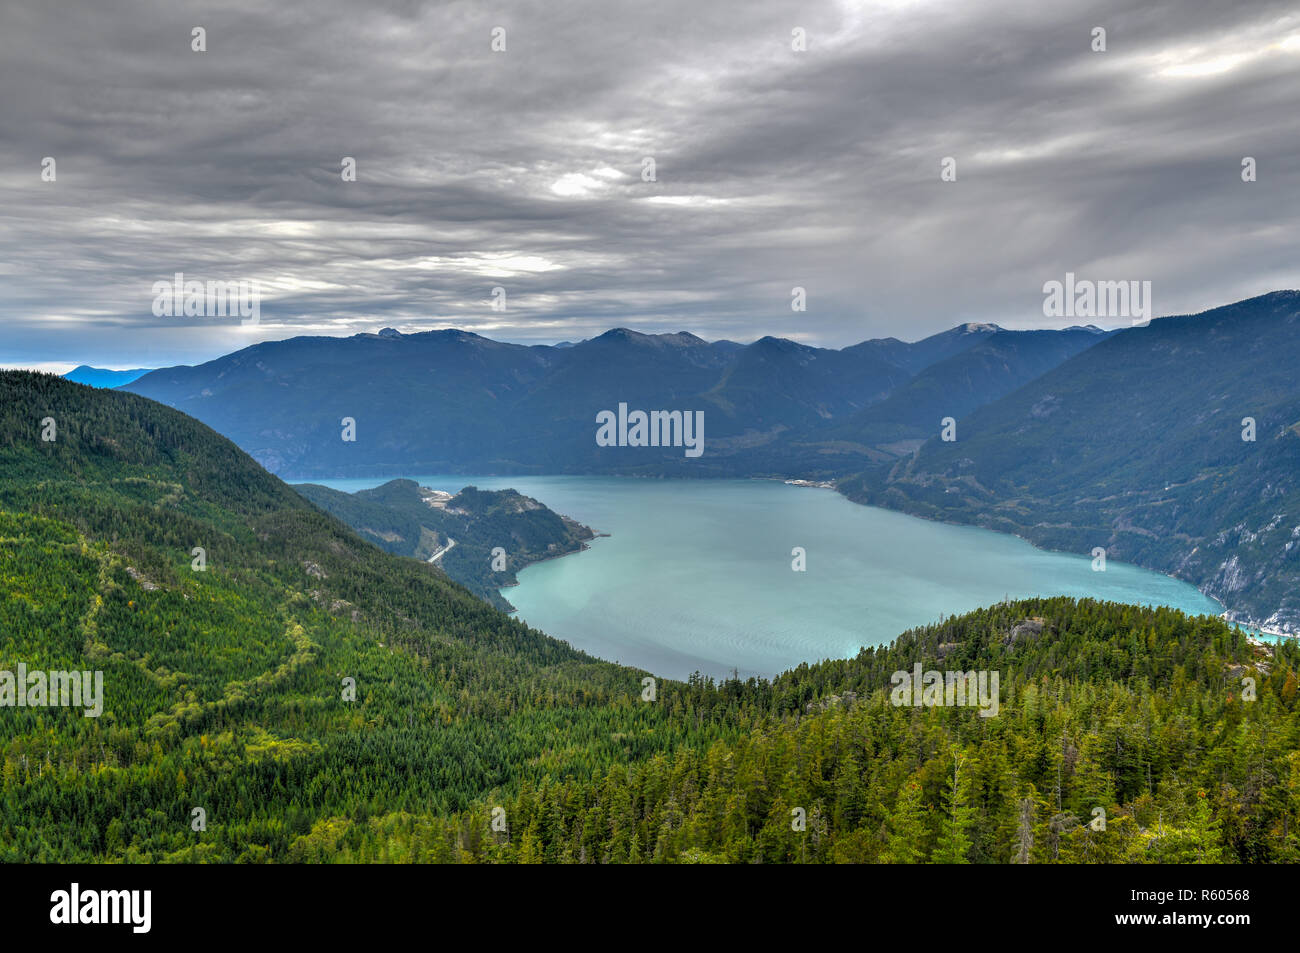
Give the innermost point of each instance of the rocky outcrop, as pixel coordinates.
(1025, 629)
(831, 701)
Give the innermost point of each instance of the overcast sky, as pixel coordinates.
(522, 169)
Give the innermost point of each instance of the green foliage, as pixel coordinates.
(223, 691)
(466, 529)
(1135, 711)
(223, 688)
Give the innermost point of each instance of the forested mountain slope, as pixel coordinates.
(474, 738)
(952, 387)
(469, 533)
(223, 687)
(1175, 446)
(1125, 735)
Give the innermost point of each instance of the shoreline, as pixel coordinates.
(1243, 622)
(1231, 616)
(583, 546)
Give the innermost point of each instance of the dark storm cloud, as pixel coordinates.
(522, 169)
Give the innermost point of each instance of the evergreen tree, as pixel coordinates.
(907, 830)
(954, 843)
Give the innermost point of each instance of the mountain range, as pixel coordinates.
(448, 401)
(1175, 446)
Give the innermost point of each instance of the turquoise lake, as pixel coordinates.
(696, 574)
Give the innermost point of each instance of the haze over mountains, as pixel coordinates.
(442, 401)
(952, 386)
(102, 377)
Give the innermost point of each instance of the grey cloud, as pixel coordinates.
(775, 168)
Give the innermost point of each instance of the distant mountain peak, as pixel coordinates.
(390, 333)
(678, 338)
(103, 377)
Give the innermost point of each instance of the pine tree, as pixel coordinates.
(1205, 833)
(906, 827)
(954, 841)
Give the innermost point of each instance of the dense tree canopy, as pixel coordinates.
(474, 738)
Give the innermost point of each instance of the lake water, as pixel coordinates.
(696, 574)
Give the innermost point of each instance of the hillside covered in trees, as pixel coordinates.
(1175, 446)
(278, 689)
(480, 538)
